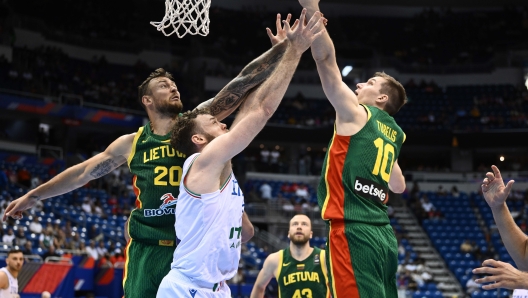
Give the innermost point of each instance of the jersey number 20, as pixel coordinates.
(385, 152)
(175, 173)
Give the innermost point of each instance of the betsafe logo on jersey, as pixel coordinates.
(371, 190)
(167, 200)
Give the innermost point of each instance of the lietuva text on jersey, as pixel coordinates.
(301, 276)
(157, 170)
(160, 152)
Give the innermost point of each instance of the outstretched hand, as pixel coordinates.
(493, 188)
(16, 207)
(500, 275)
(302, 34)
(281, 33)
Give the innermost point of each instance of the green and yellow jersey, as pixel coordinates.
(157, 170)
(357, 169)
(301, 279)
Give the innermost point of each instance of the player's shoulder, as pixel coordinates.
(274, 258)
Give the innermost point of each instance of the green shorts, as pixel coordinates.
(145, 266)
(362, 261)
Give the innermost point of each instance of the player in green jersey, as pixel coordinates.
(359, 169)
(300, 270)
(156, 167)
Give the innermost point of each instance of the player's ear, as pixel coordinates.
(311, 234)
(146, 100)
(383, 98)
(198, 139)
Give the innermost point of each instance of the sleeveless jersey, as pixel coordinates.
(304, 278)
(157, 170)
(356, 171)
(519, 293)
(12, 288)
(209, 231)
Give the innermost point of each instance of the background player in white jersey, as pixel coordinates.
(210, 204)
(9, 274)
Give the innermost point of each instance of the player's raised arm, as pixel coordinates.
(268, 97)
(495, 193)
(338, 93)
(266, 273)
(74, 177)
(236, 91)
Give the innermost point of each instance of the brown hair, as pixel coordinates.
(184, 128)
(143, 89)
(14, 251)
(394, 90)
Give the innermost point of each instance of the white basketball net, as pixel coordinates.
(185, 16)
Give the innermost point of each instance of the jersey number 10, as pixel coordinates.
(385, 152)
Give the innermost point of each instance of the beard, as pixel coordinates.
(299, 240)
(168, 109)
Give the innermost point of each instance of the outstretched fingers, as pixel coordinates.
(8, 211)
(496, 171)
(313, 20)
(318, 26)
(302, 19)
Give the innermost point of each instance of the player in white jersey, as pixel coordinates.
(9, 274)
(210, 204)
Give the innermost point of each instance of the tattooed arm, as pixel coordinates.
(256, 72)
(74, 177)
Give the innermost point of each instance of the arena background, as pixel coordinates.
(69, 72)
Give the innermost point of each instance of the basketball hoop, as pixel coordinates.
(185, 16)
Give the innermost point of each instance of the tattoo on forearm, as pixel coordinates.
(103, 168)
(36, 198)
(252, 75)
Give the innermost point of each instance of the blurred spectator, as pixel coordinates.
(265, 191)
(471, 285)
(35, 181)
(50, 253)
(117, 256)
(302, 191)
(9, 236)
(101, 249)
(46, 239)
(24, 177)
(35, 226)
(87, 205)
(104, 261)
(466, 246)
(92, 250)
(274, 160)
(28, 248)
(20, 238)
(264, 160)
(454, 192)
(427, 205)
(82, 248)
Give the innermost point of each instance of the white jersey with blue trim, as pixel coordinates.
(12, 288)
(209, 231)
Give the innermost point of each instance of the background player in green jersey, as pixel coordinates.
(300, 269)
(149, 253)
(359, 169)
